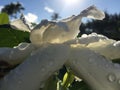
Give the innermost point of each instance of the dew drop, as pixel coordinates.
(77, 41)
(107, 65)
(91, 60)
(51, 63)
(75, 62)
(42, 85)
(118, 81)
(23, 46)
(43, 69)
(5, 78)
(37, 60)
(11, 54)
(111, 77)
(117, 65)
(19, 82)
(116, 44)
(84, 36)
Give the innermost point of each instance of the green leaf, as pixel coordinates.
(11, 37)
(4, 18)
(68, 79)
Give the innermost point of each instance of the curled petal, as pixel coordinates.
(36, 69)
(98, 72)
(17, 54)
(107, 48)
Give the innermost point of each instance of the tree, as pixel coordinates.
(33, 24)
(12, 9)
(110, 26)
(55, 16)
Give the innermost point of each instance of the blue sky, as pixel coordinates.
(36, 10)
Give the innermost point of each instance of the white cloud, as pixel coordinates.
(1, 8)
(48, 9)
(30, 17)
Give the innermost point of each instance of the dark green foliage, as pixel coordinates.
(55, 16)
(33, 24)
(10, 37)
(116, 60)
(62, 71)
(79, 86)
(110, 26)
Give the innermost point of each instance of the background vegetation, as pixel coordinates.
(110, 26)
(10, 37)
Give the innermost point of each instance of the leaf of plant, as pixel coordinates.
(11, 37)
(67, 79)
(4, 18)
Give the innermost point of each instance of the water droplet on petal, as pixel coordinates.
(19, 82)
(117, 65)
(84, 36)
(51, 63)
(111, 77)
(91, 60)
(75, 62)
(77, 41)
(11, 54)
(23, 46)
(107, 65)
(116, 44)
(43, 69)
(5, 78)
(119, 81)
(42, 85)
